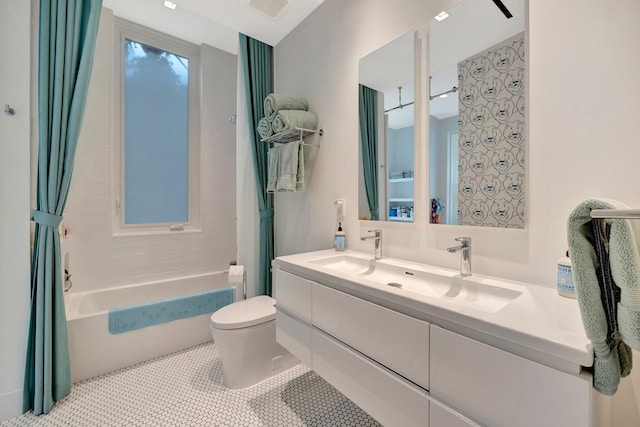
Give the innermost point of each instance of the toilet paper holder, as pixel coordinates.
(237, 274)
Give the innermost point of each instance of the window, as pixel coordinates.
(157, 82)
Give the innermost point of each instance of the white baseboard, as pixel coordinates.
(10, 405)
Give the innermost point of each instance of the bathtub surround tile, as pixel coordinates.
(185, 389)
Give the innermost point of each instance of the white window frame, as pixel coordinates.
(124, 29)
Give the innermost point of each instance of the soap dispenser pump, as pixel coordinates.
(341, 239)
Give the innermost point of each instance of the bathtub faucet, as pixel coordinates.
(465, 249)
(67, 280)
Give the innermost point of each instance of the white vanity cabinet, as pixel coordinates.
(293, 315)
(500, 389)
(406, 371)
(354, 345)
(442, 416)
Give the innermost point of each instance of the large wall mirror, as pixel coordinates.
(386, 94)
(477, 123)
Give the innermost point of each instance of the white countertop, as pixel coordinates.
(539, 324)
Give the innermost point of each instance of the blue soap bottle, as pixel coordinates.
(566, 286)
(340, 239)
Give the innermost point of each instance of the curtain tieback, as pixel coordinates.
(44, 218)
(266, 213)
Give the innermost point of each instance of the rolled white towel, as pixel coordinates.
(290, 119)
(265, 129)
(274, 103)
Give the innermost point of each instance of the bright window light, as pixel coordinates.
(442, 16)
(169, 4)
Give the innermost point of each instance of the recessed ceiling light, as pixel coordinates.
(444, 95)
(169, 4)
(441, 16)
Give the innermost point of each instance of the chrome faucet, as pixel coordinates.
(377, 237)
(465, 247)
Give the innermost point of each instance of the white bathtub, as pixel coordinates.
(94, 350)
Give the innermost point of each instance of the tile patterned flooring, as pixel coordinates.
(185, 389)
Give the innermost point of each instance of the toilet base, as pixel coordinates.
(251, 355)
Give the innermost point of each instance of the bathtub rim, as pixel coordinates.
(72, 300)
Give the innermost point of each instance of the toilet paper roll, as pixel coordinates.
(236, 273)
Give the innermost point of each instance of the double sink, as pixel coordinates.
(478, 293)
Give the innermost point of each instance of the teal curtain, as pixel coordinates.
(256, 58)
(369, 145)
(68, 30)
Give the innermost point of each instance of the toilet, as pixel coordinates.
(245, 335)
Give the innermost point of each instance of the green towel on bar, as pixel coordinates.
(606, 269)
(274, 103)
(290, 119)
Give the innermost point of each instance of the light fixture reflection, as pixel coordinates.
(441, 16)
(169, 4)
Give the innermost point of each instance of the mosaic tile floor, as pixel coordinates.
(185, 389)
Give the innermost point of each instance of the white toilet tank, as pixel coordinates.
(245, 335)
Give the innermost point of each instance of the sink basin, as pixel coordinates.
(474, 292)
(344, 263)
(433, 284)
(480, 294)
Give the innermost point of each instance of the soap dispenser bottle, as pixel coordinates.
(340, 239)
(566, 286)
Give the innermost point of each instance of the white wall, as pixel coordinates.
(582, 103)
(583, 110)
(99, 260)
(15, 49)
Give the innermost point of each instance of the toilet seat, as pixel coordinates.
(245, 313)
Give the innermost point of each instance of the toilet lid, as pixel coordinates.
(245, 313)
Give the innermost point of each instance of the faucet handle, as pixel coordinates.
(376, 231)
(466, 241)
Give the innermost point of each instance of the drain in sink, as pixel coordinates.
(394, 284)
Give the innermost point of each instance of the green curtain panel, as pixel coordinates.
(369, 146)
(68, 30)
(256, 58)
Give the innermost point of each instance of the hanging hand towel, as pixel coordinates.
(606, 270)
(274, 168)
(290, 166)
(274, 103)
(265, 129)
(290, 119)
(286, 168)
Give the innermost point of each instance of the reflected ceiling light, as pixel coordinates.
(169, 4)
(444, 95)
(441, 16)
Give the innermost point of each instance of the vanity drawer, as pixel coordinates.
(501, 389)
(441, 416)
(388, 398)
(293, 294)
(395, 340)
(295, 336)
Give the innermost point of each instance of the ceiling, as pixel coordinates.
(218, 22)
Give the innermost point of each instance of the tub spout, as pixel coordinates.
(67, 280)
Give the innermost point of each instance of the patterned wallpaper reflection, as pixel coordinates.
(491, 155)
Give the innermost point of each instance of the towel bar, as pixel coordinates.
(291, 135)
(616, 213)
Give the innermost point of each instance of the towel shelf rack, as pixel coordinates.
(616, 213)
(295, 134)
